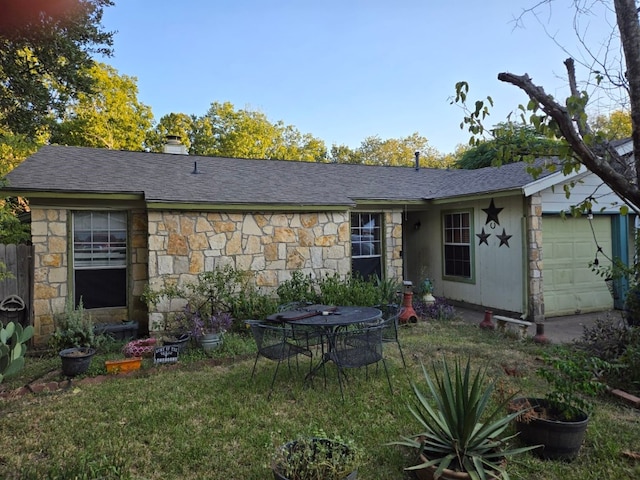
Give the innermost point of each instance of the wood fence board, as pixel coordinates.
(19, 262)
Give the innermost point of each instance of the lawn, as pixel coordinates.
(206, 417)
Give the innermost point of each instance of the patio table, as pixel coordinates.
(326, 320)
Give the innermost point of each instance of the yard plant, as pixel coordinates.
(206, 418)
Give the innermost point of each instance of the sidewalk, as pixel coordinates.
(556, 329)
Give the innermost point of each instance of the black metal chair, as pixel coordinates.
(356, 348)
(390, 316)
(273, 343)
(389, 321)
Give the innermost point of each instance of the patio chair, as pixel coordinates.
(273, 343)
(302, 335)
(355, 348)
(390, 316)
(389, 321)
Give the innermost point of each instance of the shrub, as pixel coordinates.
(74, 328)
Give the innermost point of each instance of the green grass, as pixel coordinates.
(207, 418)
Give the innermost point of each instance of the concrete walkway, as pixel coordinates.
(556, 329)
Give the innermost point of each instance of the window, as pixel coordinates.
(457, 245)
(366, 244)
(100, 258)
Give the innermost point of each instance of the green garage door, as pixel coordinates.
(568, 247)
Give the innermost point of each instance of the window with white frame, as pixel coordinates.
(100, 258)
(457, 244)
(366, 244)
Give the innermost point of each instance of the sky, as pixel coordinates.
(342, 70)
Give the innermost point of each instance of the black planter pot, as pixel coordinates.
(181, 341)
(560, 439)
(76, 361)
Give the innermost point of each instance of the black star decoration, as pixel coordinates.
(483, 237)
(504, 238)
(492, 213)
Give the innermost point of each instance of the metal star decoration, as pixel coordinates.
(492, 213)
(483, 237)
(504, 238)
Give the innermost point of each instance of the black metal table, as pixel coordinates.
(326, 320)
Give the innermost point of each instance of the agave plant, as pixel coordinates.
(460, 432)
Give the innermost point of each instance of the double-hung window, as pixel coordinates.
(457, 245)
(366, 244)
(100, 258)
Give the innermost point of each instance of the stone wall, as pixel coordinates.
(49, 237)
(184, 244)
(534, 252)
(176, 246)
(53, 276)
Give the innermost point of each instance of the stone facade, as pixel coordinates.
(175, 246)
(273, 245)
(534, 252)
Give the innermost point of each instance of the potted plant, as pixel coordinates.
(426, 291)
(558, 422)
(208, 328)
(315, 458)
(461, 436)
(74, 338)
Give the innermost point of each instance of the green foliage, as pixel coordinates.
(110, 116)
(44, 50)
(510, 142)
(223, 290)
(338, 290)
(317, 458)
(573, 375)
(461, 432)
(13, 340)
(74, 328)
(299, 288)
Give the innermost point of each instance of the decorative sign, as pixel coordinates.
(166, 354)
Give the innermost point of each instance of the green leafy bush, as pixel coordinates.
(74, 328)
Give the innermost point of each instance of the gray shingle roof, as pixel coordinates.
(162, 177)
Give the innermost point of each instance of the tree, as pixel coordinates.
(226, 132)
(109, 117)
(179, 124)
(46, 48)
(510, 142)
(579, 144)
(392, 152)
(615, 126)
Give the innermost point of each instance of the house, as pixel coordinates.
(106, 224)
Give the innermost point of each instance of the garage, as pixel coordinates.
(569, 247)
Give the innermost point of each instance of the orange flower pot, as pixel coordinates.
(124, 365)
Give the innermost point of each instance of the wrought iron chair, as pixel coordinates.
(390, 316)
(355, 348)
(389, 321)
(273, 343)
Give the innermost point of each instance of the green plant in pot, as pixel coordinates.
(74, 338)
(317, 458)
(558, 421)
(463, 434)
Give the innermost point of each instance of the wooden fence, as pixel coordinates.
(18, 260)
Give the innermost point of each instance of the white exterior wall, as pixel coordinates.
(554, 199)
(499, 270)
